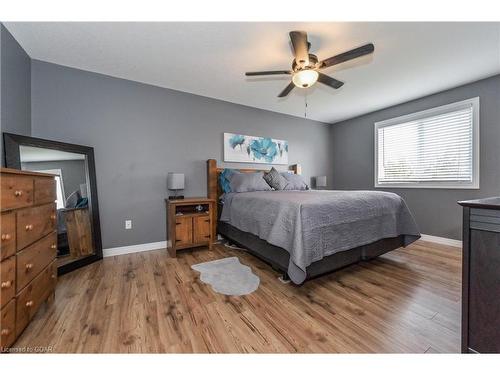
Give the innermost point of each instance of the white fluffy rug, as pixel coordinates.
(228, 276)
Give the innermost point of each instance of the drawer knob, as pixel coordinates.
(6, 284)
(6, 237)
(29, 266)
(29, 303)
(53, 276)
(53, 216)
(18, 193)
(5, 332)
(53, 246)
(29, 227)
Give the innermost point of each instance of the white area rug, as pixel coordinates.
(228, 276)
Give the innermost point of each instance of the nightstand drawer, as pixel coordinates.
(8, 229)
(201, 229)
(183, 231)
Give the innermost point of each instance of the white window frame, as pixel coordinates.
(58, 173)
(474, 184)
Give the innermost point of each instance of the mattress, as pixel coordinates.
(314, 224)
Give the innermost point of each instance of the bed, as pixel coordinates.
(305, 234)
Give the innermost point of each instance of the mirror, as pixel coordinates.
(78, 228)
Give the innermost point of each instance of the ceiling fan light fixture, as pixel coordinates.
(305, 78)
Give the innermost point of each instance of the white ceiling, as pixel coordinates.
(410, 60)
(33, 154)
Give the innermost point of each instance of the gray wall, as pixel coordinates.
(73, 172)
(436, 210)
(141, 132)
(15, 87)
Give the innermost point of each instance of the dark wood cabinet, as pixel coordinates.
(481, 276)
(189, 223)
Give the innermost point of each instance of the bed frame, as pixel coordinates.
(276, 256)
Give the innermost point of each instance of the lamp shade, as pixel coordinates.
(83, 190)
(175, 181)
(321, 181)
(305, 78)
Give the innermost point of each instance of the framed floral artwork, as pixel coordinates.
(250, 149)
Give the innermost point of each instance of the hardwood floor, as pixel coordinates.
(405, 301)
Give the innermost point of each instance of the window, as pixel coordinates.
(60, 202)
(437, 148)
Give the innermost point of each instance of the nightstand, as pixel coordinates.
(189, 223)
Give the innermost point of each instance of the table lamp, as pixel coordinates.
(320, 181)
(175, 182)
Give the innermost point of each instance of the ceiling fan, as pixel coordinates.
(306, 66)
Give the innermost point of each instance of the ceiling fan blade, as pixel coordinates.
(349, 55)
(300, 47)
(268, 73)
(287, 90)
(329, 81)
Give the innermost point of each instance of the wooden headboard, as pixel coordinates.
(214, 190)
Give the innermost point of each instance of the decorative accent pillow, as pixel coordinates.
(73, 199)
(243, 182)
(295, 182)
(224, 179)
(275, 180)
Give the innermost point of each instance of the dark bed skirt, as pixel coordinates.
(278, 257)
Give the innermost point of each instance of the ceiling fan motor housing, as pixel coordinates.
(313, 61)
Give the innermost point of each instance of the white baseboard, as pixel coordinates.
(163, 245)
(134, 248)
(441, 240)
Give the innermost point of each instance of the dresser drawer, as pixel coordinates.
(8, 325)
(45, 190)
(16, 191)
(8, 280)
(35, 258)
(8, 240)
(35, 222)
(32, 296)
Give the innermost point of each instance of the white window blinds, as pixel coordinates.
(435, 148)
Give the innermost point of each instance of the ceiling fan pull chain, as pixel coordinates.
(305, 106)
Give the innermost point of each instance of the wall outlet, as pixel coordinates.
(128, 224)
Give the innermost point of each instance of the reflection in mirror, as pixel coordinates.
(74, 229)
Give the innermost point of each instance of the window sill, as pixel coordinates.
(427, 186)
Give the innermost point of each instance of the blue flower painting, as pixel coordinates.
(251, 149)
(237, 140)
(264, 148)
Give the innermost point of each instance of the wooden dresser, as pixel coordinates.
(481, 276)
(28, 248)
(187, 226)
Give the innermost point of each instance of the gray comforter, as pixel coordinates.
(313, 224)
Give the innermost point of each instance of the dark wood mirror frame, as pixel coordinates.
(13, 160)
